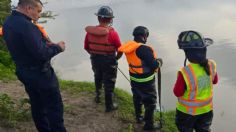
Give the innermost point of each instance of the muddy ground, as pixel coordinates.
(82, 114)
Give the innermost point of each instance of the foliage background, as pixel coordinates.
(6, 64)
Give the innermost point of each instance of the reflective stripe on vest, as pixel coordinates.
(142, 79)
(212, 68)
(195, 104)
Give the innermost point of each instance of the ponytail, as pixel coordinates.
(205, 65)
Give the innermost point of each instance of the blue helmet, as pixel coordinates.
(193, 40)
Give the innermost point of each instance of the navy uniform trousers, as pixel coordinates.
(45, 98)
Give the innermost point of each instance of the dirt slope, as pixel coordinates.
(82, 114)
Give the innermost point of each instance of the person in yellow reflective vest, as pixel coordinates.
(143, 63)
(194, 84)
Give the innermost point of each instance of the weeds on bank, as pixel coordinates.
(13, 111)
(125, 104)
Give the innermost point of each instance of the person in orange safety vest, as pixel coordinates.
(1, 33)
(143, 63)
(102, 43)
(194, 84)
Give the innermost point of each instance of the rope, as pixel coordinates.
(123, 74)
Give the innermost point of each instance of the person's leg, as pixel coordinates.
(38, 110)
(109, 80)
(184, 122)
(137, 100)
(204, 122)
(54, 104)
(149, 97)
(97, 79)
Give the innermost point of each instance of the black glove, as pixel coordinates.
(160, 62)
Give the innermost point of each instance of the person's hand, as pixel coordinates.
(62, 45)
(160, 62)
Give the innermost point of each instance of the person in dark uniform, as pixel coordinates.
(102, 43)
(143, 63)
(31, 54)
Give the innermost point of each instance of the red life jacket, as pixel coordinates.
(98, 40)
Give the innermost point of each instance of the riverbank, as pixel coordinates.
(81, 112)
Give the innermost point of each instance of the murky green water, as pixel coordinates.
(165, 20)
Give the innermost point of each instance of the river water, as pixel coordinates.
(165, 19)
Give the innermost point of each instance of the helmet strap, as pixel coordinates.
(185, 61)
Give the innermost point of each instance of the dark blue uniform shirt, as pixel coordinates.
(25, 42)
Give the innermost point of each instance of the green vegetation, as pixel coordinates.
(124, 99)
(13, 111)
(6, 64)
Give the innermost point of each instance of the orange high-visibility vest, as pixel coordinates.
(197, 98)
(98, 40)
(1, 32)
(136, 65)
(43, 31)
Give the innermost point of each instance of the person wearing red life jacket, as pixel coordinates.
(143, 63)
(102, 43)
(194, 84)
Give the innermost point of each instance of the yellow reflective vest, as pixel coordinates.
(197, 98)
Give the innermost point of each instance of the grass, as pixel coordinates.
(12, 112)
(124, 99)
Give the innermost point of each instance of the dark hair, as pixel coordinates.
(206, 66)
(198, 56)
(29, 2)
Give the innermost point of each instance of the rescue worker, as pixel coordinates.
(29, 52)
(102, 43)
(194, 84)
(143, 63)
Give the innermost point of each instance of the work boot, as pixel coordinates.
(151, 127)
(111, 108)
(139, 119)
(149, 118)
(97, 99)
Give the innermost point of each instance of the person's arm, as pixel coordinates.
(119, 55)
(145, 53)
(215, 80)
(36, 47)
(115, 39)
(180, 86)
